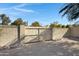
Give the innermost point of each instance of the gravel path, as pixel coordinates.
(65, 47)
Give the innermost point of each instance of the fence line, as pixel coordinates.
(32, 34)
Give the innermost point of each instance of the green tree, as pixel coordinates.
(55, 25)
(67, 26)
(47, 25)
(52, 25)
(5, 20)
(71, 10)
(63, 26)
(36, 24)
(18, 21)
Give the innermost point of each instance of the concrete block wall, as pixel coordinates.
(8, 35)
(59, 33)
(45, 34)
(32, 33)
(37, 34)
(74, 31)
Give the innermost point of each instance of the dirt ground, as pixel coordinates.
(64, 47)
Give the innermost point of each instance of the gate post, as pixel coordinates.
(38, 35)
(51, 33)
(18, 34)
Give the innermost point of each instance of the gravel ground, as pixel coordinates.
(64, 47)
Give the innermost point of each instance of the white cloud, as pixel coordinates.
(17, 6)
(19, 9)
(23, 10)
(20, 5)
(14, 11)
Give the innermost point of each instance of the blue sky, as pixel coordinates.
(45, 13)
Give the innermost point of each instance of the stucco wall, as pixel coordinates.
(37, 34)
(74, 31)
(8, 35)
(42, 33)
(58, 33)
(45, 34)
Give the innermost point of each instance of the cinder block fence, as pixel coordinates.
(11, 34)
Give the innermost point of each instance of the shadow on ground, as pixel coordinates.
(63, 47)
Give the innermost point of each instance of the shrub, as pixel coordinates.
(63, 26)
(67, 26)
(55, 25)
(36, 24)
